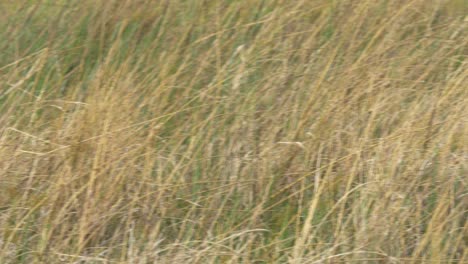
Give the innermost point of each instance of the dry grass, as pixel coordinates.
(249, 131)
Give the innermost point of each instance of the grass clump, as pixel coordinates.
(233, 131)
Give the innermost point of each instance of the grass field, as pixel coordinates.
(255, 131)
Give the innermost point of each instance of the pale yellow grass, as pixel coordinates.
(234, 132)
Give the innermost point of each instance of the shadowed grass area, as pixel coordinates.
(233, 131)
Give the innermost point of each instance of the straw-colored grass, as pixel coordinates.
(254, 131)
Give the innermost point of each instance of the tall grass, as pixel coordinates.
(251, 131)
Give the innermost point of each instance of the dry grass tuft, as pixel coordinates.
(233, 131)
